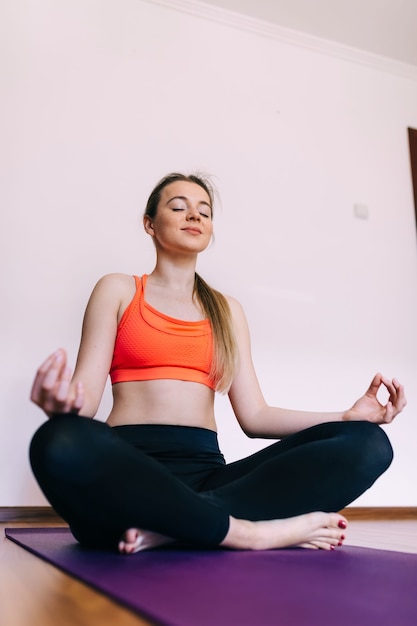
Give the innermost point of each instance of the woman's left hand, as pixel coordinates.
(370, 409)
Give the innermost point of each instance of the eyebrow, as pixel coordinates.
(186, 199)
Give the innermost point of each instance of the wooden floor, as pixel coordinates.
(34, 593)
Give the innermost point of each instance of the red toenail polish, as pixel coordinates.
(342, 537)
(340, 543)
(342, 524)
(331, 547)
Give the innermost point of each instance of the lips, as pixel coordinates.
(195, 231)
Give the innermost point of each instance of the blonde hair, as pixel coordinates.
(217, 309)
(213, 303)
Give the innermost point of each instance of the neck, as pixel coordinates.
(176, 274)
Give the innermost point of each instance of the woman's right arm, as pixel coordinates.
(54, 389)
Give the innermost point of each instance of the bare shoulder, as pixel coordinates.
(239, 321)
(116, 281)
(232, 301)
(235, 307)
(113, 291)
(116, 284)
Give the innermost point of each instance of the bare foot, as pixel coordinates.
(313, 530)
(135, 540)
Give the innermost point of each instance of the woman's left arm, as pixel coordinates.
(258, 419)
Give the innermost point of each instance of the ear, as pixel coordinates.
(148, 225)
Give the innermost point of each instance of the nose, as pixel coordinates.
(193, 214)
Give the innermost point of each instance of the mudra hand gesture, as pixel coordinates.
(52, 388)
(369, 408)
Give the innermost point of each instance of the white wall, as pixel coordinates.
(102, 98)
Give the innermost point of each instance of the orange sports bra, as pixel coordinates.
(151, 345)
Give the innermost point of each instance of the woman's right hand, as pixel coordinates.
(52, 388)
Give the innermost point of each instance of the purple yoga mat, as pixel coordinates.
(293, 587)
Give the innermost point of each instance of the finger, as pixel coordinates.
(74, 399)
(40, 376)
(48, 362)
(397, 396)
(48, 380)
(63, 387)
(375, 385)
(389, 413)
(391, 388)
(401, 399)
(55, 372)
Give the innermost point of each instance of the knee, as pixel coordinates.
(370, 447)
(55, 444)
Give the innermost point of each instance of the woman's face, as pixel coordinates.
(183, 221)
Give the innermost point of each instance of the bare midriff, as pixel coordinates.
(171, 402)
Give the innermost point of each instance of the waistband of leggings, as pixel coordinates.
(172, 435)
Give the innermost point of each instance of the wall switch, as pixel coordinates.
(361, 211)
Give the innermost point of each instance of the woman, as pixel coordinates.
(154, 473)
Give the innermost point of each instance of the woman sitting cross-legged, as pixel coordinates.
(154, 473)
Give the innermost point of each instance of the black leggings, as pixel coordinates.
(173, 479)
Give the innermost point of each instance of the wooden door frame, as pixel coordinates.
(412, 140)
